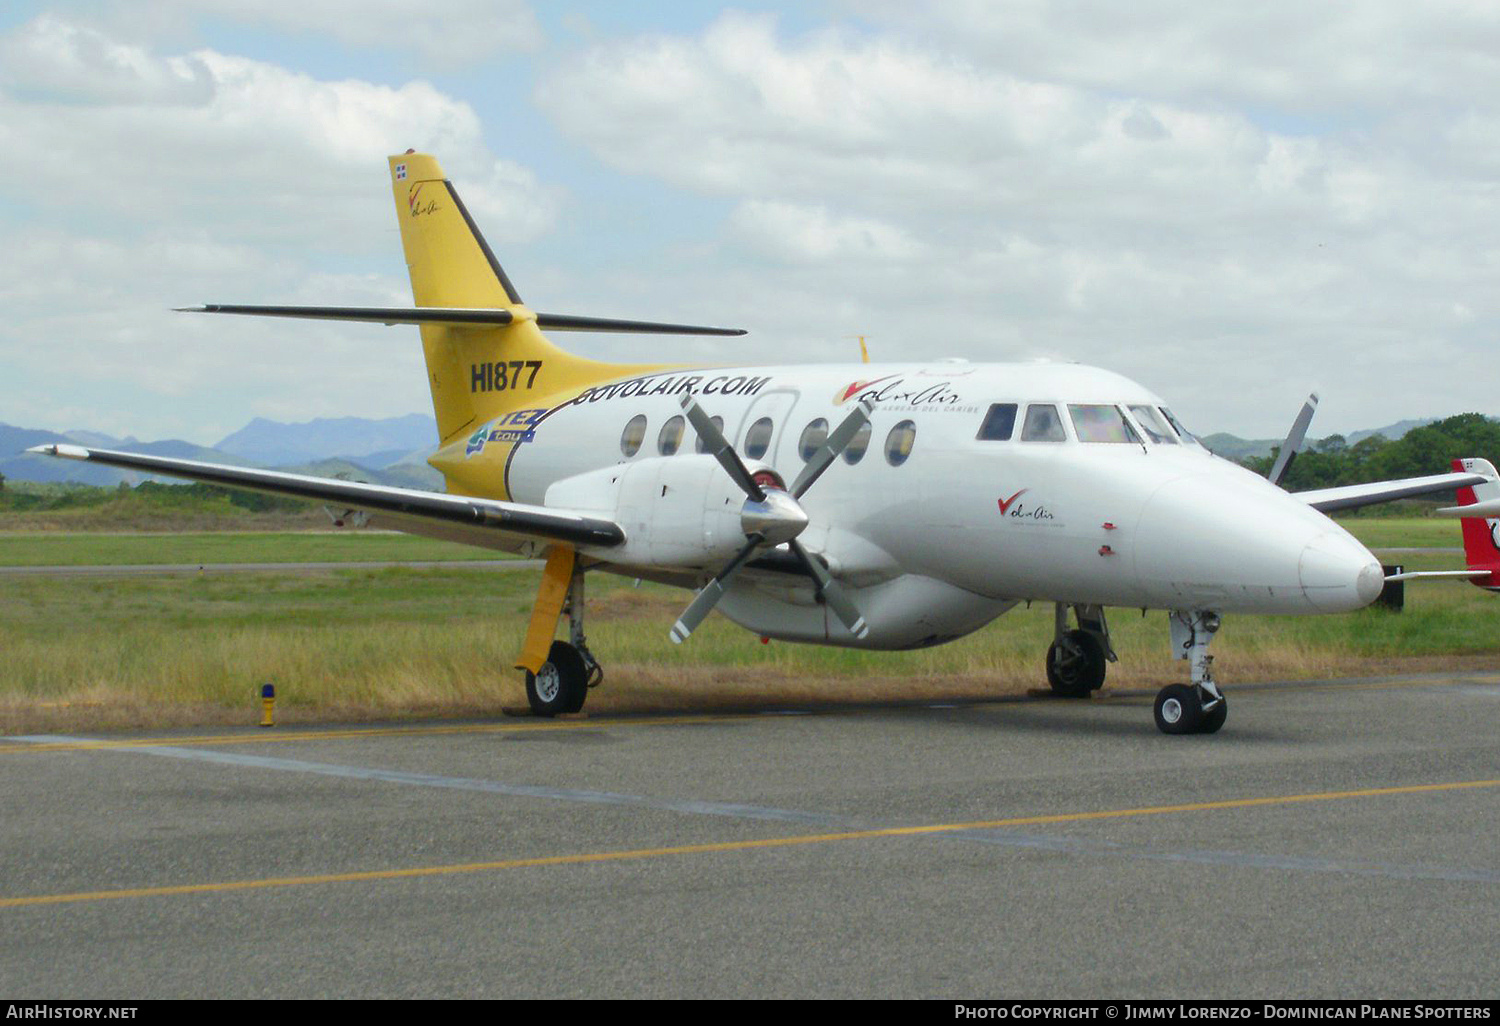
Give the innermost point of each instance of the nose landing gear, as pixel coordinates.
(1199, 707)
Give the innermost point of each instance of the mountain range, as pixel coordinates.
(392, 451)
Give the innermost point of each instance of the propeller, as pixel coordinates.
(1293, 440)
(772, 517)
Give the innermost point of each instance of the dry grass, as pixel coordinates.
(358, 644)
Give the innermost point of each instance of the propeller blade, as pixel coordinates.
(1293, 440)
(715, 442)
(704, 602)
(832, 448)
(832, 592)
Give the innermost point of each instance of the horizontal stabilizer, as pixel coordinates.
(481, 516)
(461, 316)
(1478, 509)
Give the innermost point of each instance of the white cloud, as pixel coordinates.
(161, 180)
(50, 59)
(1118, 210)
(253, 147)
(1282, 55)
(452, 33)
(796, 232)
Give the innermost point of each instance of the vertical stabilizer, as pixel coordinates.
(476, 373)
(1481, 533)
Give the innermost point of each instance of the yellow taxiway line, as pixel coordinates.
(728, 846)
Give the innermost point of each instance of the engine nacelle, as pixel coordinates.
(677, 511)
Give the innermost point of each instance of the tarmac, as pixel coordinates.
(1335, 840)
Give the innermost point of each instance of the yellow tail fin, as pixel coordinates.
(476, 373)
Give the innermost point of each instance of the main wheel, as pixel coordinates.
(1213, 718)
(1178, 709)
(1075, 665)
(562, 683)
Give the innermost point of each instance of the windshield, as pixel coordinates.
(1155, 426)
(1097, 422)
(1182, 432)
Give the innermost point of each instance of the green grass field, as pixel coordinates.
(362, 643)
(37, 548)
(58, 548)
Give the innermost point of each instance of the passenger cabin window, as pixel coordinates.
(998, 424)
(758, 438)
(855, 450)
(702, 446)
(1042, 424)
(813, 437)
(898, 443)
(670, 438)
(1152, 423)
(633, 435)
(1098, 422)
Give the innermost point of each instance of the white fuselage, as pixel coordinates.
(964, 527)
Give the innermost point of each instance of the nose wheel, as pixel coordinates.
(1184, 709)
(1199, 707)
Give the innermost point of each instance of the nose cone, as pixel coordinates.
(778, 519)
(1233, 543)
(1338, 574)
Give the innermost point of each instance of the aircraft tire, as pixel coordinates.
(1076, 675)
(1213, 719)
(561, 685)
(1178, 709)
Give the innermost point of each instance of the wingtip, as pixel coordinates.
(680, 632)
(71, 452)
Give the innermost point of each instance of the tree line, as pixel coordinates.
(1331, 461)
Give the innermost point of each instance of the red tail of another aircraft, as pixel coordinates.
(1481, 533)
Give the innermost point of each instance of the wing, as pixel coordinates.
(486, 522)
(1329, 500)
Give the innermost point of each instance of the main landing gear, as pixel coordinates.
(1076, 659)
(559, 681)
(1199, 707)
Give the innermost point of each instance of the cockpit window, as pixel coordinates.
(1043, 424)
(1152, 423)
(1097, 422)
(1182, 432)
(998, 424)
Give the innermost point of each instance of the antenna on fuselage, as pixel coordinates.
(864, 353)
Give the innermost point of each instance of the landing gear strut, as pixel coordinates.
(1199, 707)
(1076, 659)
(561, 682)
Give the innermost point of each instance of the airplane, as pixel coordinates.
(876, 506)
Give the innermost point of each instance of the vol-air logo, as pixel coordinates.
(502, 375)
(1013, 510)
(901, 392)
(675, 384)
(516, 426)
(416, 204)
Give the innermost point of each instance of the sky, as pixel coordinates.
(1232, 204)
